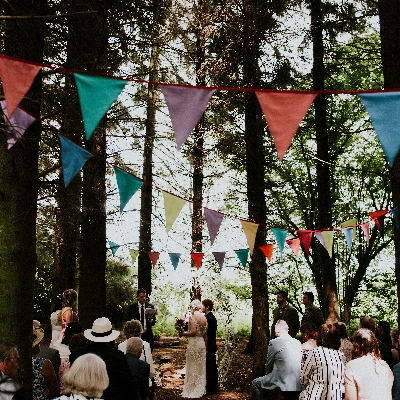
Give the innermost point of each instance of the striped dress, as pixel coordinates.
(322, 375)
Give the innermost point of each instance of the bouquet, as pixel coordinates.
(181, 325)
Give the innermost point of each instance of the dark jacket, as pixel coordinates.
(133, 313)
(141, 374)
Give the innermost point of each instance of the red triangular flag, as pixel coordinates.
(197, 259)
(305, 237)
(283, 112)
(17, 77)
(294, 244)
(154, 257)
(379, 219)
(267, 250)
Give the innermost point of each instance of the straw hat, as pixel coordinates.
(101, 331)
(37, 336)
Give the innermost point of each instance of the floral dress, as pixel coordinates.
(195, 378)
(39, 381)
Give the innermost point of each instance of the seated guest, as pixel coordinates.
(282, 366)
(346, 347)
(396, 383)
(101, 338)
(86, 379)
(10, 389)
(140, 369)
(367, 376)
(46, 351)
(308, 338)
(322, 373)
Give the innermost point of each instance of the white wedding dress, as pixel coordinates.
(195, 377)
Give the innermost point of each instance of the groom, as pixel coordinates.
(137, 311)
(211, 361)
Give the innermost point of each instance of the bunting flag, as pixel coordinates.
(19, 122)
(379, 219)
(73, 158)
(294, 244)
(186, 105)
(365, 228)
(305, 237)
(172, 207)
(134, 254)
(113, 247)
(384, 112)
(267, 250)
(242, 254)
(219, 257)
(96, 96)
(128, 185)
(348, 233)
(17, 78)
(280, 235)
(318, 235)
(250, 230)
(154, 255)
(284, 113)
(197, 259)
(395, 216)
(213, 220)
(328, 240)
(174, 257)
(353, 223)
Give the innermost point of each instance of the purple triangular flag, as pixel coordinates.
(186, 105)
(219, 257)
(318, 235)
(213, 219)
(19, 122)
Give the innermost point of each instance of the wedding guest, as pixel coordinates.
(394, 334)
(62, 345)
(346, 347)
(285, 312)
(312, 313)
(55, 320)
(309, 339)
(367, 376)
(46, 351)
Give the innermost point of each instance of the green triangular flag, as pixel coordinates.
(128, 185)
(243, 255)
(113, 247)
(134, 254)
(96, 96)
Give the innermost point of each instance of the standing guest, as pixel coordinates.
(312, 313)
(67, 314)
(45, 383)
(10, 389)
(63, 345)
(46, 351)
(87, 379)
(285, 312)
(322, 373)
(346, 347)
(396, 384)
(367, 376)
(383, 333)
(282, 366)
(211, 350)
(140, 369)
(308, 338)
(101, 338)
(394, 335)
(146, 318)
(55, 320)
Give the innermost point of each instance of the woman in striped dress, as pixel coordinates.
(323, 370)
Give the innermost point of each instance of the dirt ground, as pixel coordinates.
(170, 360)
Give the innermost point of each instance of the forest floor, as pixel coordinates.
(169, 360)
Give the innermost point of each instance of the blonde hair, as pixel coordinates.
(133, 328)
(196, 305)
(87, 376)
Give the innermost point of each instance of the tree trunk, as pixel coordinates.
(19, 183)
(389, 14)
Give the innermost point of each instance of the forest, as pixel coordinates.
(233, 148)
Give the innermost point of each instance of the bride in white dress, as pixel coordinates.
(195, 377)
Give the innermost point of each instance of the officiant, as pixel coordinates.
(145, 313)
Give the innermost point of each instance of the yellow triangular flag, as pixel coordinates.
(250, 230)
(172, 207)
(134, 254)
(328, 239)
(353, 223)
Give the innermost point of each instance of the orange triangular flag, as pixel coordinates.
(197, 259)
(267, 250)
(154, 257)
(379, 219)
(294, 244)
(16, 77)
(305, 237)
(250, 230)
(283, 112)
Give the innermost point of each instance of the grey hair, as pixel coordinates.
(196, 305)
(87, 376)
(7, 350)
(133, 328)
(134, 345)
(281, 325)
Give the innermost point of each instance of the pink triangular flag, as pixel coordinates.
(213, 220)
(17, 77)
(283, 112)
(154, 257)
(294, 244)
(250, 230)
(365, 228)
(186, 105)
(197, 259)
(267, 250)
(305, 237)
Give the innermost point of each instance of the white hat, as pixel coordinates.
(37, 336)
(101, 331)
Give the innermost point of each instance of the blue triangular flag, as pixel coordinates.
(348, 232)
(113, 246)
(73, 158)
(128, 185)
(280, 235)
(395, 215)
(174, 257)
(243, 255)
